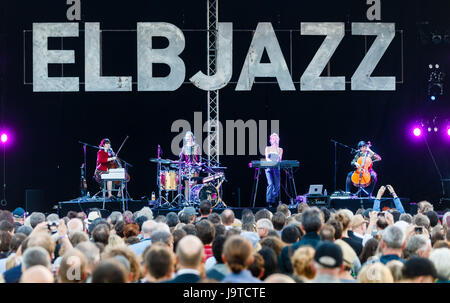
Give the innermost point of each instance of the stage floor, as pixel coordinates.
(134, 205)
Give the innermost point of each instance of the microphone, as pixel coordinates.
(159, 150)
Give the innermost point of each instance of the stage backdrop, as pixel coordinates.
(43, 151)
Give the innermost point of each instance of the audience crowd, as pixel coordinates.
(307, 245)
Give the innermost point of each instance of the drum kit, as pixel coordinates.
(180, 183)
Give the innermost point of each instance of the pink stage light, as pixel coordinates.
(4, 138)
(448, 131)
(417, 131)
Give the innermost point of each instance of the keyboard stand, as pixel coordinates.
(255, 185)
(120, 189)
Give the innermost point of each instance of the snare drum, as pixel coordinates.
(169, 180)
(202, 192)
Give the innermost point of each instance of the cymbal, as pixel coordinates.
(162, 161)
(177, 162)
(187, 164)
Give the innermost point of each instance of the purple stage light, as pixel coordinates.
(4, 138)
(417, 131)
(448, 131)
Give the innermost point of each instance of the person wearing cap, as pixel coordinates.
(419, 270)
(19, 214)
(349, 258)
(94, 214)
(359, 227)
(327, 263)
(191, 212)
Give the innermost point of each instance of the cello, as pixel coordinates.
(118, 164)
(361, 176)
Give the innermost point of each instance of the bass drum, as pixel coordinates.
(169, 180)
(202, 192)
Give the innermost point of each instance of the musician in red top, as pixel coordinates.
(104, 156)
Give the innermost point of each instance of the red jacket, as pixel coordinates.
(102, 160)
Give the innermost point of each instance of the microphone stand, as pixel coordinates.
(335, 158)
(85, 170)
(126, 164)
(84, 195)
(158, 176)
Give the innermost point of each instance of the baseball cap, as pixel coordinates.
(417, 267)
(348, 254)
(92, 216)
(357, 221)
(190, 211)
(328, 255)
(19, 212)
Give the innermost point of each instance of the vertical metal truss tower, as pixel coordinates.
(213, 96)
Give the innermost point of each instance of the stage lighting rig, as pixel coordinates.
(436, 79)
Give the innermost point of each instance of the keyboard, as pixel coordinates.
(115, 174)
(268, 164)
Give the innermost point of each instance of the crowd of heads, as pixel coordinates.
(307, 244)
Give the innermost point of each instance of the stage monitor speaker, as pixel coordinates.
(317, 200)
(34, 201)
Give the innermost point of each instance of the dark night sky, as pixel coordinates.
(44, 153)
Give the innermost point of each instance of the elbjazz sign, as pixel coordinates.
(264, 39)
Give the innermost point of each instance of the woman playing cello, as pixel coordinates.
(104, 156)
(365, 154)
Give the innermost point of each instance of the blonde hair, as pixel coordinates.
(114, 241)
(301, 262)
(375, 273)
(277, 137)
(11, 261)
(343, 217)
(424, 207)
(395, 266)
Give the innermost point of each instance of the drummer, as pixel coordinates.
(190, 154)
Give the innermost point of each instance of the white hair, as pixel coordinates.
(264, 223)
(393, 237)
(146, 212)
(415, 244)
(441, 260)
(148, 226)
(74, 225)
(162, 226)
